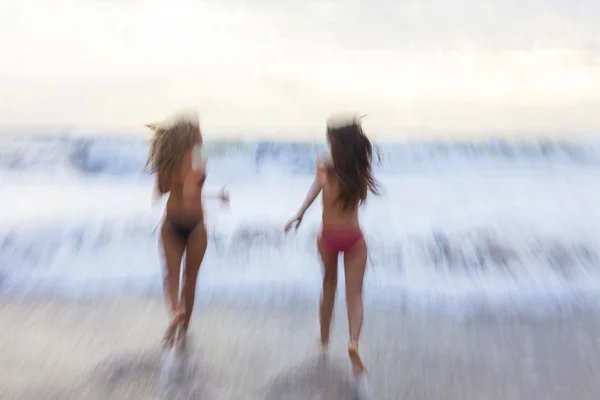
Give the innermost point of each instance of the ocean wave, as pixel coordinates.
(118, 157)
(128, 247)
(433, 236)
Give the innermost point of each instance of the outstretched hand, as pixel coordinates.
(296, 220)
(223, 195)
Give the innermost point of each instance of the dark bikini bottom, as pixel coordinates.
(183, 230)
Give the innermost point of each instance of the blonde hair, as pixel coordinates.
(171, 138)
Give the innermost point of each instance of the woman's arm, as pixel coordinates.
(222, 195)
(311, 195)
(324, 163)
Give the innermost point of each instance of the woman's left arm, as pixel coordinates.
(222, 195)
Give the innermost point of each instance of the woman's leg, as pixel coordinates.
(196, 248)
(330, 277)
(355, 262)
(173, 247)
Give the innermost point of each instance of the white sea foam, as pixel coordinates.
(462, 228)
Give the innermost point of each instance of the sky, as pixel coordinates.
(280, 67)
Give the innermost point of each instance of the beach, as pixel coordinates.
(482, 282)
(462, 142)
(104, 349)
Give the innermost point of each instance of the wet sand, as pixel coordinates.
(109, 350)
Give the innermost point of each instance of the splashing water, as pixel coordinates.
(458, 222)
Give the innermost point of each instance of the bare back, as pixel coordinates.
(333, 213)
(184, 178)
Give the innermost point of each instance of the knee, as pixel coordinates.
(354, 296)
(330, 281)
(190, 274)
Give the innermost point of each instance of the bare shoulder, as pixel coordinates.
(193, 167)
(198, 159)
(185, 163)
(324, 167)
(324, 160)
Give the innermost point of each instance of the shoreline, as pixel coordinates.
(59, 349)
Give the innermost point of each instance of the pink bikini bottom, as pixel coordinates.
(340, 240)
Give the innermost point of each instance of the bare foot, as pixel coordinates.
(358, 368)
(169, 337)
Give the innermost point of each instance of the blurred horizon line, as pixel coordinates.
(403, 134)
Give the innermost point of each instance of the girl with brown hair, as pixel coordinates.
(344, 177)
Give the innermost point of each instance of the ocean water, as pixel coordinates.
(460, 225)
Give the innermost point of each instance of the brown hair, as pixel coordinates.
(352, 153)
(171, 139)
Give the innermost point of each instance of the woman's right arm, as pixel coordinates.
(311, 195)
(313, 192)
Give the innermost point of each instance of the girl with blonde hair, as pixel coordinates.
(177, 159)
